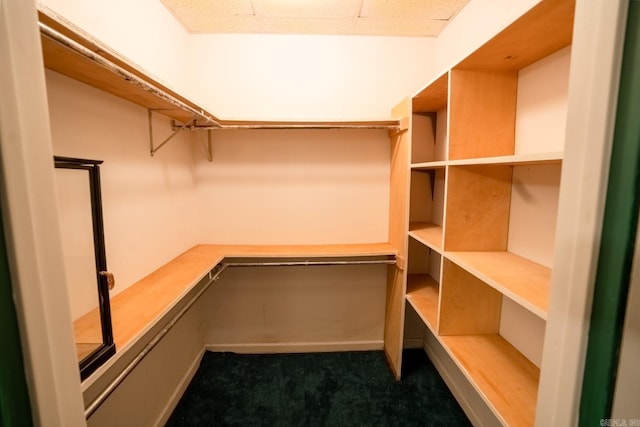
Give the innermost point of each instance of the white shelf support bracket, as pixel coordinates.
(152, 149)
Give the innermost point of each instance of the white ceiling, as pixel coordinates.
(425, 18)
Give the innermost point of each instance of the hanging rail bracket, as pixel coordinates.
(153, 149)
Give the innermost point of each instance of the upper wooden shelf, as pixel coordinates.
(527, 283)
(545, 29)
(73, 53)
(144, 302)
(433, 97)
(64, 59)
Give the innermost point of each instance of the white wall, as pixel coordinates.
(149, 202)
(295, 187)
(291, 77)
(291, 309)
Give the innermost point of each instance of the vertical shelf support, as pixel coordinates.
(432, 181)
(152, 149)
(209, 149)
(434, 125)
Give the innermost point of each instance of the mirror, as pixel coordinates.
(79, 198)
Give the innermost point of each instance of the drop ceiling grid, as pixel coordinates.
(364, 17)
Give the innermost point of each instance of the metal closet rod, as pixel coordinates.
(390, 125)
(214, 275)
(124, 74)
(307, 263)
(104, 395)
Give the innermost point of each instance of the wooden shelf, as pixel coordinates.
(504, 377)
(433, 97)
(310, 251)
(525, 282)
(440, 164)
(65, 60)
(521, 43)
(422, 294)
(517, 159)
(428, 234)
(144, 302)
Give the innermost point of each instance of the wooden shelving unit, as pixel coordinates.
(482, 203)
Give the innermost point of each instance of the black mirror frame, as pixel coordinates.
(107, 349)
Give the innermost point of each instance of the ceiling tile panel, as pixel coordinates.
(306, 26)
(370, 17)
(226, 24)
(412, 9)
(209, 7)
(399, 27)
(306, 8)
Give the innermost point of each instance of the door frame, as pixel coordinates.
(30, 219)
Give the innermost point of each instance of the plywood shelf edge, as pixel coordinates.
(438, 164)
(514, 160)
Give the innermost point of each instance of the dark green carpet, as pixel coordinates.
(316, 389)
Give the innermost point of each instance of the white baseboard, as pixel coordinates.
(179, 391)
(304, 347)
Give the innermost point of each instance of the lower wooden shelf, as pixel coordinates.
(428, 234)
(422, 294)
(141, 304)
(506, 379)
